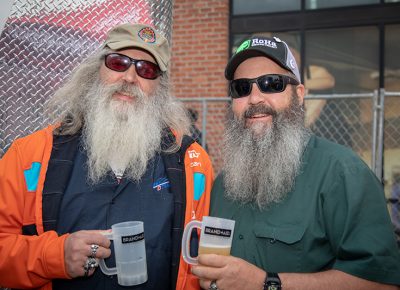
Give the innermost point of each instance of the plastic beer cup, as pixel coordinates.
(130, 253)
(215, 238)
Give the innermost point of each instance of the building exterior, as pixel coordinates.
(200, 45)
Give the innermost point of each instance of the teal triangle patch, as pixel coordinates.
(32, 176)
(199, 180)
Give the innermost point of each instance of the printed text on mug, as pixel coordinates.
(217, 232)
(133, 238)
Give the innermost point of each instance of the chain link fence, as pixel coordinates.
(391, 156)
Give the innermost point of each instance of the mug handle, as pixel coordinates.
(186, 241)
(102, 264)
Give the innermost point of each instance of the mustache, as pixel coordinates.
(126, 88)
(260, 109)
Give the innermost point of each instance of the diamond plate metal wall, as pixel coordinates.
(43, 40)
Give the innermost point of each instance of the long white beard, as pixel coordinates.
(125, 135)
(261, 168)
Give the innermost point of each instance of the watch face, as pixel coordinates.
(273, 285)
(272, 282)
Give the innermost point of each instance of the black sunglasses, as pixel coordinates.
(120, 63)
(269, 84)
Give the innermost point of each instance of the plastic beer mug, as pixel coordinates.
(215, 238)
(130, 253)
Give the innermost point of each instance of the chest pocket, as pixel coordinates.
(280, 247)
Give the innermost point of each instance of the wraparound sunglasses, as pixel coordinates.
(269, 84)
(120, 63)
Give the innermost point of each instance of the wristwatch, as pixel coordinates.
(272, 282)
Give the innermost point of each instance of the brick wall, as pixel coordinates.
(200, 40)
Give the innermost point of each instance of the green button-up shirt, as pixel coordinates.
(334, 218)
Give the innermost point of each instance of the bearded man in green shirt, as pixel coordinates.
(309, 213)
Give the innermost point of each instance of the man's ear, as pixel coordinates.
(301, 92)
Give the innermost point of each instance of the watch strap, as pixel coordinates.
(272, 282)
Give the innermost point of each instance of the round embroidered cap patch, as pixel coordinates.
(147, 35)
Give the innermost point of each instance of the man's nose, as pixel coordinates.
(130, 75)
(255, 96)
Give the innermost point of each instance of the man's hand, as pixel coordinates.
(229, 272)
(77, 249)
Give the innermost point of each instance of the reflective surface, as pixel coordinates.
(318, 4)
(43, 41)
(263, 6)
(351, 55)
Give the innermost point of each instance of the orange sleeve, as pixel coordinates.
(197, 162)
(26, 261)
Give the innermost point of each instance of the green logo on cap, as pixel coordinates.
(243, 46)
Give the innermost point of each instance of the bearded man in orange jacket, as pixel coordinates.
(119, 152)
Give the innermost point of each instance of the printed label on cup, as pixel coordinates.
(130, 253)
(217, 232)
(215, 238)
(132, 239)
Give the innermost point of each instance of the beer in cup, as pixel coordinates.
(130, 253)
(215, 238)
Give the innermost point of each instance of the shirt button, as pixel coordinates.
(241, 237)
(272, 241)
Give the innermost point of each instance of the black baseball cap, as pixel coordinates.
(271, 47)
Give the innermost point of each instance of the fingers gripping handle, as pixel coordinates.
(186, 242)
(102, 264)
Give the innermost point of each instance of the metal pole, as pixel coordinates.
(381, 119)
(204, 124)
(374, 130)
(339, 96)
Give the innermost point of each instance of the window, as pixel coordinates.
(263, 6)
(317, 4)
(392, 60)
(350, 54)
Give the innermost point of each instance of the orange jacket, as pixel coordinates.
(33, 261)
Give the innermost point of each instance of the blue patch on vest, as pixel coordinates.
(32, 176)
(199, 180)
(161, 183)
